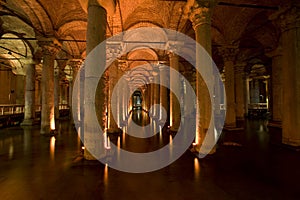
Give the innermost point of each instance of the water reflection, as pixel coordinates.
(196, 168)
(11, 149)
(105, 175)
(52, 147)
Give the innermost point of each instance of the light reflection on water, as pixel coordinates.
(11, 149)
(52, 148)
(105, 175)
(196, 168)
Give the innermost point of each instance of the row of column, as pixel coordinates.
(49, 88)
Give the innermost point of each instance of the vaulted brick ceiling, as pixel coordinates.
(233, 21)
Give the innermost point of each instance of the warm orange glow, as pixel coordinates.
(52, 147)
(171, 113)
(108, 143)
(105, 176)
(52, 123)
(119, 142)
(196, 168)
(196, 138)
(160, 135)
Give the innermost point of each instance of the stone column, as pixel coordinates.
(156, 95)
(50, 48)
(38, 93)
(254, 91)
(29, 115)
(75, 65)
(175, 85)
(240, 91)
(56, 91)
(113, 78)
(20, 89)
(289, 21)
(228, 54)
(96, 33)
(247, 93)
(200, 17)
(276, 79)
(164, 80)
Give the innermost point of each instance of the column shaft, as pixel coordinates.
(289, 21)
(29, 115)
(175, 85)
(240, 92)
(201, 19)
(228, 54)
(164, 81)
(96, 31)
(56, 93)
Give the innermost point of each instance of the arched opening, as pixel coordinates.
(137, 100)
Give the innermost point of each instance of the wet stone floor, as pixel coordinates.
(249, 164)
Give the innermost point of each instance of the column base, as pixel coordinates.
(29, 122)
(196, 150)
(173, 129)
(291, 143)
(88, 156)
(114, 131)
(240, 118)
(232, 127)
(275, 124)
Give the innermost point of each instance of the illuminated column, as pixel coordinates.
(56, 91)
(175, 85)
(156, 95)
(20, 83)
(113, 78)
(276, 56)
(29, 114)
(240, 91)
(228, 54)
(164, 81)
(288, 18)
(96, 33)
(75, 65)
(122, 67)
(200, 17)
(38, 92)
(50, 48)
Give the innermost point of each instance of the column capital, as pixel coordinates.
(288, 17)
(199, 12)
(174, 47)
(122, 65)
(239, 68)
(162, 67)
(75, 63)
(274, 52)
(50, 46)
(113, 50)
(228, 52)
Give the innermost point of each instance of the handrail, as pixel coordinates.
(258, 106)
(10, 109)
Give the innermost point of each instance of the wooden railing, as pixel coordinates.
(11, 109)
(258, 106)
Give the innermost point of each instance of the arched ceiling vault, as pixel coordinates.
(243, 22)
